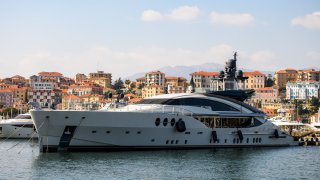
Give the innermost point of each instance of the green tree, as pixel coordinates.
(8, 111)
(269, 81)
(315, 104)
(118, 85)
(127, 82)
(142, 85)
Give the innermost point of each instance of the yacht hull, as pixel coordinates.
(16, 132)
(113, 131)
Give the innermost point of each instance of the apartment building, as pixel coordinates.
(283, 76)
(303, 90)
(84, 88)
(203, 80)
(152, 90)
(255, 80)
(308, 75)
(155, 77)
(101, 78)
(6, 97)
(80, 78)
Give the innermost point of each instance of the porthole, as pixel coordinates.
(108, 132)
(83, 117)
(185, 141)
(254, 140)
(225, 141)
(200, 133)
(157, 122)
(177, 141)
(152, 140)
(127, 132)
(67, 117)
(165, 122)
(260, 140)
(172, 141)
(167, 142)
(139, 132)
(187, 132)
(47, 117)
(172, 122)
(247, 140)
(94, 131)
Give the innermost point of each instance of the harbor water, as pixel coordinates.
(21, 159)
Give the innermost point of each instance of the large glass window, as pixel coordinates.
(198, 102)
(21, 116)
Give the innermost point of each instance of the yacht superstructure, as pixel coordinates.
(171, 121)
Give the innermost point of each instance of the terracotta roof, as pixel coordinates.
(204, 73)
(141, 79)
(288, 70)
(134, 100)
(253, 73)
(71, 97)
(17, 77)
(129, 95)
(49, 74)
(155, 72)
(7, 90)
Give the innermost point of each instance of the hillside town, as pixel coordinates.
(294, 92)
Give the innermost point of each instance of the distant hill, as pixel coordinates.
(185, 71)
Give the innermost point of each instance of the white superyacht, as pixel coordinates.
(170, 121)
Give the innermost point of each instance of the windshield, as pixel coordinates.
(23, 116)
(153, 101)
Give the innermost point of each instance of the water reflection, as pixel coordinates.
(238, 163)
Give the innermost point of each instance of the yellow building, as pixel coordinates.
(101, 78)
(255, 80)
(175, 81)
(70, 101)
(283, 76)
(308, 75)
(151, 90)
(21, 93)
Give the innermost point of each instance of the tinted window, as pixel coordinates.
(199, 102)
(153, 101)
(23, 117)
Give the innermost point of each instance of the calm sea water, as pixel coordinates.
(20, 159)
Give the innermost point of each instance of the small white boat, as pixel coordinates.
(19, 127)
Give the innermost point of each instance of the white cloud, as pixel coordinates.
(151, 15)
(262, 56)
(242, 19)
(310, 21)
(185, 13)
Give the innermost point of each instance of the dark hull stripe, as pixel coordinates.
(142, 148)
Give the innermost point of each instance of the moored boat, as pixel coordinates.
(20, 126)
(178, 121)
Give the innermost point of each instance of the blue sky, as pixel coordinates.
(126, 37)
